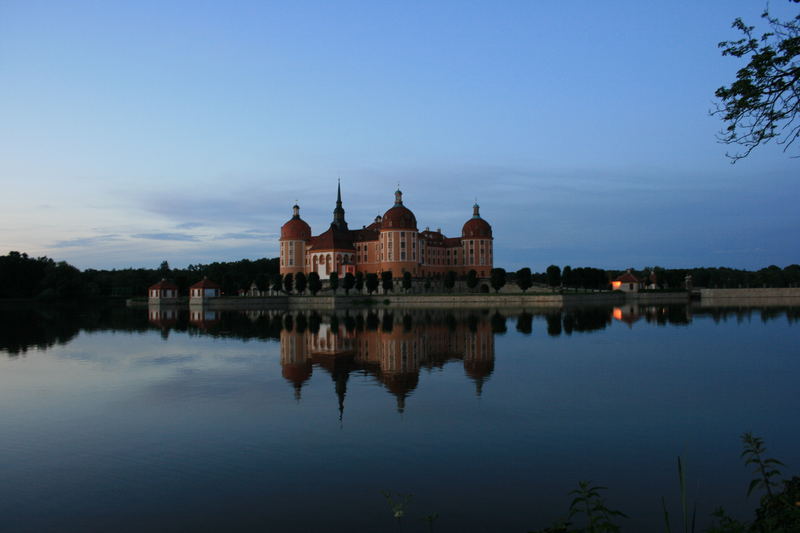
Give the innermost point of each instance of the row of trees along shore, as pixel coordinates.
(22, 276)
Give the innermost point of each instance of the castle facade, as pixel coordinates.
(392, 243)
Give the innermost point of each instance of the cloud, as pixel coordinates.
(166, 236)
(189, 225)
(86, 241)
(252, 234)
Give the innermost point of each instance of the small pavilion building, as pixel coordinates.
(627, 282)
(203, 290)
(162, 292)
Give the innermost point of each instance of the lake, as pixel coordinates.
(163, 419)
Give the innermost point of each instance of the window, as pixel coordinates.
(402, 234)
(402, 255)
(402, 244)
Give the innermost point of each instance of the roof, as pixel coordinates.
(296, 229)
(452, 242)
(163, 284)
(627, 277)
(205, 283)
(333, 239)
(399, 217)
(476, 227)
(365, 234)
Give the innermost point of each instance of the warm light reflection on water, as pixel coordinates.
(165, 418)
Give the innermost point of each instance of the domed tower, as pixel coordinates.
(476, 241)
(294, 236)
(399, 240)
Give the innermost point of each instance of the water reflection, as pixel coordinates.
(41, 327)
(392, 347)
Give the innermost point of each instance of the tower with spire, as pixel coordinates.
(338, 213)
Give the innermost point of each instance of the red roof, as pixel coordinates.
(163, 284)
(366, 234)
(399, 217)
(627, 277)
(477, 228)
(452, 242)
(296, 229)
(205, 283)
(333, 239)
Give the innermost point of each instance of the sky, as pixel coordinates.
(137, 132)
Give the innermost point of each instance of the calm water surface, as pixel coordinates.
(164, 420)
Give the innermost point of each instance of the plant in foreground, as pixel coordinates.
(590, 509)
(397, 503)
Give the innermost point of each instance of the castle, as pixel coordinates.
(392, 243)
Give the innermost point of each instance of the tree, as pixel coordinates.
(450, 280)
(498, 279)
(472, 279)
(288, 283)
(371, 282)
(386, 281)
(524, 279)
(764, 101)
(314, 283)
(349, 281)
(406, 281)
(359, 285)
(427, 284)
(277, 282)
(164, 269)
(334, 281)
(300, 283)
(553, 276)
(566, 276)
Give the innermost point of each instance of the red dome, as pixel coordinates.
(476, 228)
(295, 230)
(399, 217)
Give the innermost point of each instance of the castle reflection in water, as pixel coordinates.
(393, 347)
(393, 353)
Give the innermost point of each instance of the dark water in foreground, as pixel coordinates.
(124, 420)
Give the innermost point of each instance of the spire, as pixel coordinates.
(295, 211)
(338, 213)
(398, 196)
(476, 210)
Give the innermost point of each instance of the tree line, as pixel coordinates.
(22, 276)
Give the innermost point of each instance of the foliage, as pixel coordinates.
(288, 283)
(553, 276)
(386, 281)
(427, 284)
(300, 283)
(498, 279)
(314, 283)
(588, 513)
(472, 279)
(524, 279)
(277, 282)
(371, 282)
(406, 281)
(566, 276)
(764, 101)
(359, 281)
(450, 280)
(348, 282)
(333, 279)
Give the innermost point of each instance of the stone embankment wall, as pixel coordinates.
(738, 297)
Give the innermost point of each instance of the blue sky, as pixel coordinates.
(133, 132)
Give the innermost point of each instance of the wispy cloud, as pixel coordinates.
(86, 241)
(189, 225)
(166, 236)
